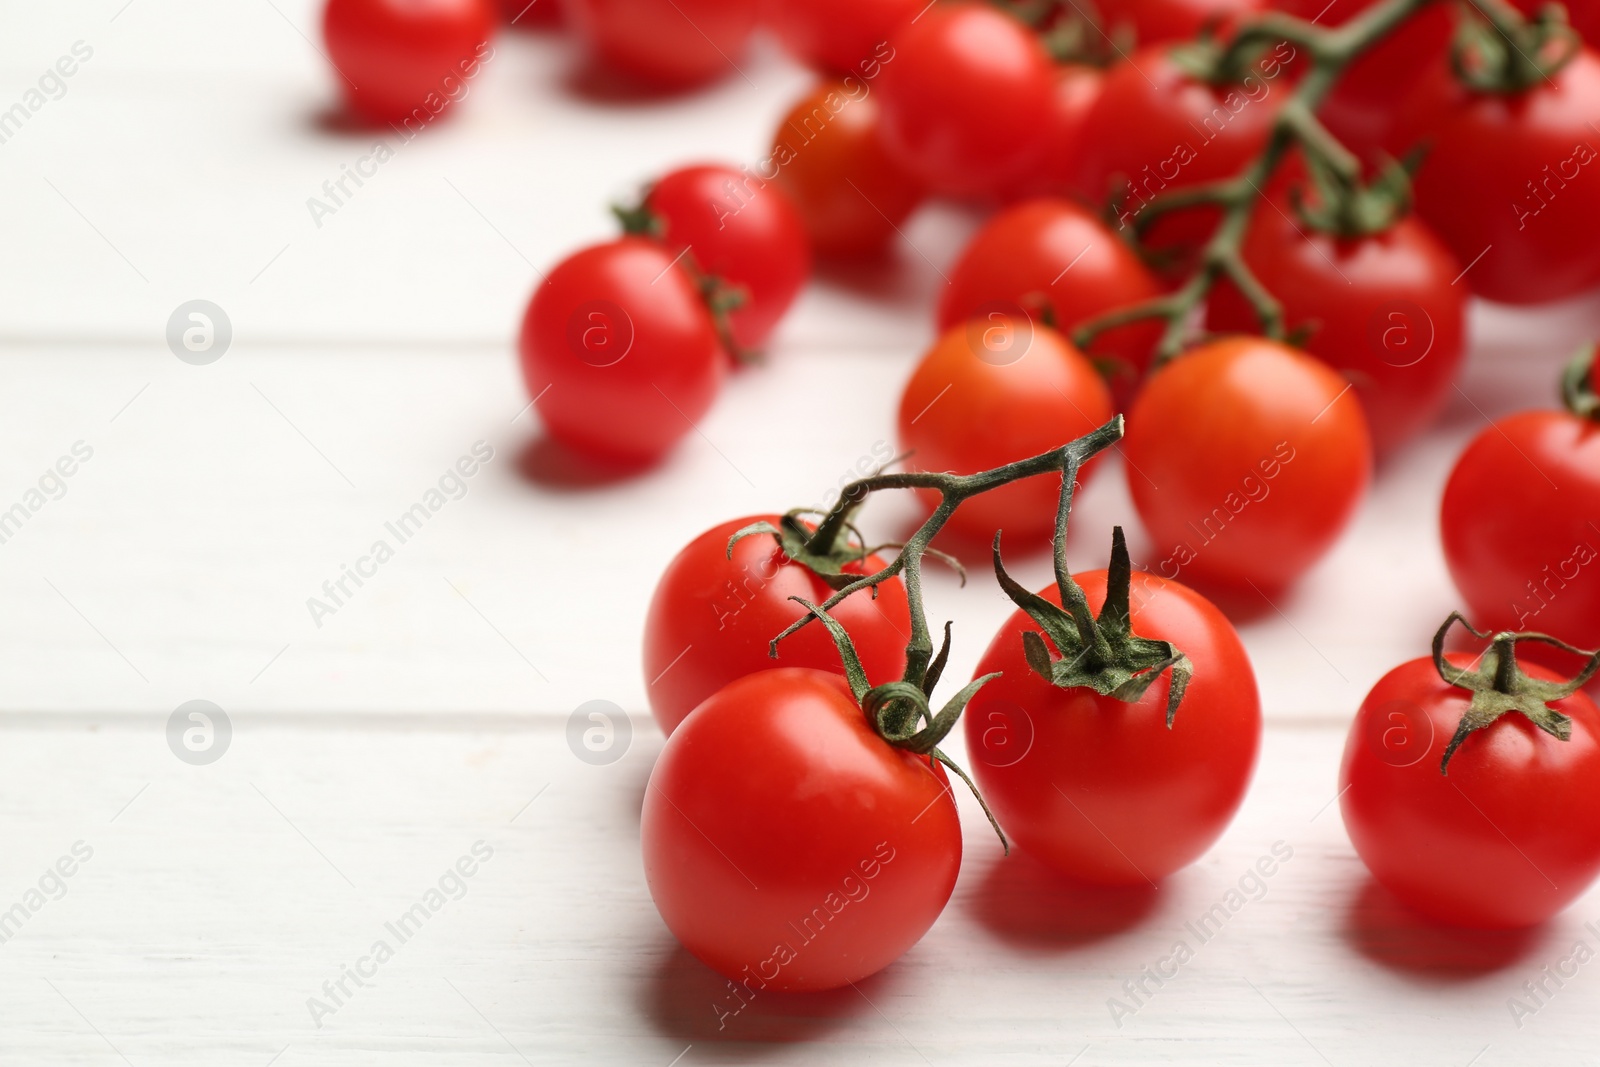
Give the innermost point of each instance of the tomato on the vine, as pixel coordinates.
(788, 845)
(1246, 460)
(1509, 834)
(1077, 89)
(1381, 309)
(715, 609)
(967, 99)
(619, 352)
(1102, 790)
(1053, 254)
(672, 44)
(840, 36)
(1157, 21)
(401, 60)
(991, 391)
(829, 157)
(740, 230)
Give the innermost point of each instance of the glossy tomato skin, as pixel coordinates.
(669, 44)
(1382, 310)
(742, 230)
(1508, 838)
(1155, 128)
(1055, 249)
(1156, 21)
(839, 36)
(1077, 89)
(531, 14)
(619, 352)
(1103, 791)
(1245, 462)
(787, 845)
(1519, 524)
(829, 158)
(992, 391)
(401, 60)
(967, 98)
(711, 619)
(1514, 180)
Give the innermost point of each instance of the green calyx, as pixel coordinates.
(797, 541)
(1502, 52)
(1101, 653)
(1578, 384)
(1349, 208)
(1499, 686)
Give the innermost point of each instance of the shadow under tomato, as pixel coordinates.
(549, 464)
(1029, 906)
(595, 83)
(1385, 931)
(690, 1002)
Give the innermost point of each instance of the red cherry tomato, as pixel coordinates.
(1156, 21)
(1077, 89)
(1156, 128)
(1381, 308)
(1246, 462)
(742, 230)
(401, 60)
(1519, 522)
(711, 618)
(672, 44)
(840, 36)
(1512, 183)
(619, 352)
(967, 98)
(1062, 253)
(829, 157)
(992, 391)
(1509, 837)
(787, 845)
(1103, 791)
(531, 14)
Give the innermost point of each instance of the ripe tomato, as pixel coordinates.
(1521, 526)
(839, 36)
(1155, 21)
(1381, 308)
(404, 60)
(967, 99)
(1512, 183)
(1059, 253)
(992, 391)
(531, 14)
(1508, 837)
(1245, 461)
(619, 352)
(742, 230)
(790, 847)
(1077, 89)
(1101, 790)
(1155, 127)
(829, 157)
(671, 44)
(712, 616)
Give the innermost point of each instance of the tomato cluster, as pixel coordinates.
(1260, 245)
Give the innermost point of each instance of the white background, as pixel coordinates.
(429, 713)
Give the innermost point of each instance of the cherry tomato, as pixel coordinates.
(967, 98)
(840, 36)
(1246, 461)
(1103, 791)
(992, 391)
(1059, 253)
(1156, 128)
(1509, 837)
(1381, 310)
(619, 352)
(741, 230)
(1155, 21)
(531, 14)
(786, 844)
(712, 616)
(829, 157)
(671, 44)
(1077, 89)
(1512, 183)
(1521, 526)
(401, 60)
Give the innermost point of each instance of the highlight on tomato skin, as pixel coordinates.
(787, 845)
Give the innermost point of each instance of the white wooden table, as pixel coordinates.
(427, 717)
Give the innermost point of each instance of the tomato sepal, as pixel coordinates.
(1503, 53)
(1579, 384)
(1499, 686)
